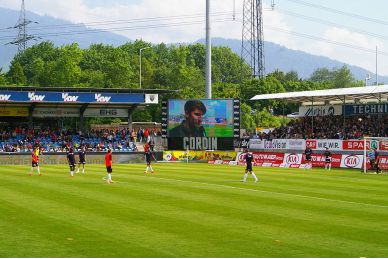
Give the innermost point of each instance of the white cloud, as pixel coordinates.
(349, 55)
(79, 11)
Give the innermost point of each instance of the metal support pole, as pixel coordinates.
(377, 78)
(364, 155)
(208, 72)
(344, 115)
(312, 118)
(130, 111)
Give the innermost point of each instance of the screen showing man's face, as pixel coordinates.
(195, 117)
(213, 119)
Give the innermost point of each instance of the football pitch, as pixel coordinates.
(192, 210)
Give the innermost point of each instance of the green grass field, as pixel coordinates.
(192, 210)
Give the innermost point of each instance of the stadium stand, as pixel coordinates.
(21, 139)
(331, 127)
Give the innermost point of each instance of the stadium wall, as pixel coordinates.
(60, 158)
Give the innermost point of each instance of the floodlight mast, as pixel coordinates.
(208, 86)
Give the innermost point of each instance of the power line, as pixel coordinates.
(307, 36)
(328, 9)
(325, 22)
(112, 22)
(142, 27)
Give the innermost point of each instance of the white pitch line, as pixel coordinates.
(262, 191)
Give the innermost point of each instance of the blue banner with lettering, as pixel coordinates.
(70, 97)
(362, 109)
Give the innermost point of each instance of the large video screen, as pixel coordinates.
(200, 118)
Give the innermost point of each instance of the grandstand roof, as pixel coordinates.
(139, 97)
(333, 96)
(87, 89)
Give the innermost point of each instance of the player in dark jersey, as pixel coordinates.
(308, 152)
(327, 155)
(71, 161)
(374, 160)
(249, 160)
(82, 159)
(148, 156)
(108, 164)
(35, 161)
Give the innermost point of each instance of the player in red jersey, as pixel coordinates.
(108, 164)
(35, 161)
(148, 154)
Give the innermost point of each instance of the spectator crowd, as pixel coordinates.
(21, 139)
(331, 127)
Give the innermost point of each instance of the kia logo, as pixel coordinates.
(352, 161)
(292, 159)
(242, 157)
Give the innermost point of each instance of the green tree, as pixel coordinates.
(3, 79)
(16, 75)
(343, 77)
(321, 75)
(336, 78)
(247, 121)
(265, 119)
(66, 69)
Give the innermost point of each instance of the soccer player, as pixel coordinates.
(308, 152)
(377, 167)
(327, 155)
(108, 164)
(248, 160)
(82, 159)
(71, 160)
(148, 154)
(35, 161)
(372, 158)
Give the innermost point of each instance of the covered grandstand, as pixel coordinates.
(352, 95)
(35, 115)
(343, 106)
(337, 119)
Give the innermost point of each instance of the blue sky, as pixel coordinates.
(280, 25)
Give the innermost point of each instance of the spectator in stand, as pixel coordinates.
(146, 135)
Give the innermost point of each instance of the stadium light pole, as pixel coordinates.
(140, 64)
(367, 78)
(208, 72)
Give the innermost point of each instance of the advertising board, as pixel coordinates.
(359, 144)
(352, 161)
(111, 112)
(70, 97)
(323, 110)
(195, 155)
(322, 144)
(42, 112)
(14, 112)
(362, 109)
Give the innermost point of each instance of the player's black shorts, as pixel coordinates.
(308, 158)
(328, 160)
(82, 161)
(109, 169)
(34, 164)
(249, 167)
